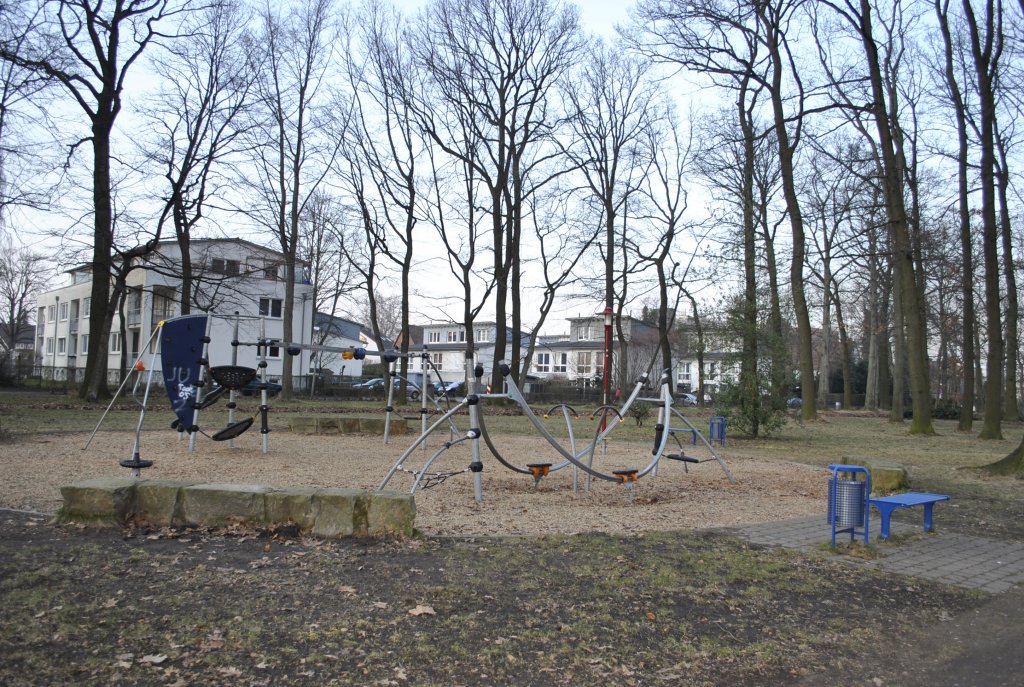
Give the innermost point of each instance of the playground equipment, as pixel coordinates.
(581, 459)
(136, 464)
(181, 345)
(187, 377)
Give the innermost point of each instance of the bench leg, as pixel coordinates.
(928, 517)
(886, 513)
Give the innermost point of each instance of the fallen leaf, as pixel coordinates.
(422, 610)
(379, 604)
(345, 589)
(650, 616)
(230, 671)
(153, 659)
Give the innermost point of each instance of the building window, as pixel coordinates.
(457, 336)
(85, 343)
(223, 266)
(62, 346)
(49, 345)
(543, 362)
(51, 313)
(72, 345)
(63, 312)
(274, 352)
(585, 332)
(583, 364)
(87, 307)
(438, 360)
(561, 365)
(115, 342)
(684, 373)
(271, 307)
(433, 337)
(483, 335)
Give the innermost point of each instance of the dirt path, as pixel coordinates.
(33, 469)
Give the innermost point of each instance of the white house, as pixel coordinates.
(336, 332)
(445, 343)
(240, 283)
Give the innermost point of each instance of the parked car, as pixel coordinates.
(795, 402)
(449, 388)
(253, 388)
(374, 383)
(412, 389)
(688, 399)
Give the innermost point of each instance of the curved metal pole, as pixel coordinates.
(419, 440)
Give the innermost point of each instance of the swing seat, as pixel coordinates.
(211, 398)
(539, 469)
(626, 476)
(136, 463)
(232, 377)
(233, 430)
(682, 457)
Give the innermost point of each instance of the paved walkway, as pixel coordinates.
(974, 562)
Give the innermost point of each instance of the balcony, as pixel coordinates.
(133, 318)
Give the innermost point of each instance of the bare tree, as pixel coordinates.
(385, 146)
(207, 86)
(21, 98)
(492, 67)
(323, 232)
(88, 47)
(880, 66)
(729, 42)
(609, 96)
(958, 104)
(296, 134)
(23, 275)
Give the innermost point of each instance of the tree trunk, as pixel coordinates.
(847, 365)
(1011, 408)
(984, 51)
(1012, 464)
(94, 384)
(786, 166)
(913, 313)
(964, 214)
(749, 384)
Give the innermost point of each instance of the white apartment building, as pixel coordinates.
(240, 283)
(445, 343)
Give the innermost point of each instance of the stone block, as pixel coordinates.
(157, 501)
(349, 425)
(302, 424)
(106, 502)
(294, 504)
(217, 505)
(391, 512)
(328, 424)
(375, 425)
(886, 478)
(339, 512)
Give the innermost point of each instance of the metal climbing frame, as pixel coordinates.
(579, 459)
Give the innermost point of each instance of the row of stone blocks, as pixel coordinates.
(343, 424)
(116, 501)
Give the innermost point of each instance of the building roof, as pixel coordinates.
(339, 327)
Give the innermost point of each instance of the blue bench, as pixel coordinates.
(887, 504)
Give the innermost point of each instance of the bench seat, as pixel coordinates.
(887, 504)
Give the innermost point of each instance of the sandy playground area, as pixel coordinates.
(33, 468)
